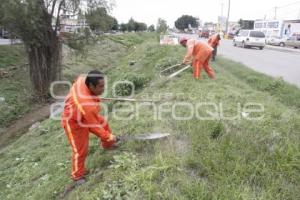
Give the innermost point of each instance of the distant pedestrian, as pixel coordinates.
(199, 52)
(214, 42)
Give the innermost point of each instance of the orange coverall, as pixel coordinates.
(214, 41)
(200, 52)
(81, 116)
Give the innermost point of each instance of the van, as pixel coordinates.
(250, 38)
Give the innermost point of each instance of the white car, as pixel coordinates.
(168, 40)
(275, 40)
(250, 38)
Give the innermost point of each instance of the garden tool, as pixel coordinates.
(142, 137)
(170, 69)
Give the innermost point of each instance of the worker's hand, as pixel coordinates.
(112, 138)
(185, 62)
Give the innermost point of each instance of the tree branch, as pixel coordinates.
(58, 12)
(53, 7)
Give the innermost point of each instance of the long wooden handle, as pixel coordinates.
(179, 71)
(128, 99)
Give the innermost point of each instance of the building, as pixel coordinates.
(291, 27)
(221, 23)
(210, 26)
(70, 23)
(278, 28)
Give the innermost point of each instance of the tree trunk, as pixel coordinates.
(45, 65)
(45, 57)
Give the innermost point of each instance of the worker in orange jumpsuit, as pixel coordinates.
(81, 116)
(214, 42)
(199, 52)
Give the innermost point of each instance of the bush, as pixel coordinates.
(135, 82)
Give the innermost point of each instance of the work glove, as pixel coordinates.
(112, 138)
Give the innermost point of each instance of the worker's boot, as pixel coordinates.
(80, 181)
(73, 185)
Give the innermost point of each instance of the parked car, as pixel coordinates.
(275, 40)
(293, 41)
(250, 38)
(212, 33)
(169, 40)
(4, 34)
(230, 35)
(204, 33)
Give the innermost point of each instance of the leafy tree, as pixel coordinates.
(162, 26)
(131, 25)
(184, 21)
(246, 24)
(37, 22)
(139, 26)
(100, 20)
(151, 28)
(124, 27)
(115, 24)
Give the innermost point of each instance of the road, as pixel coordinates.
(7, 41)
(271, 62)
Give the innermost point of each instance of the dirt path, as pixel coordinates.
(20, 126)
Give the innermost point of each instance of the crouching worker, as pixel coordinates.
(81, 117)
(214, 42)
(200, 53)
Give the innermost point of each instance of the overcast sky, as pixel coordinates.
(149, 11)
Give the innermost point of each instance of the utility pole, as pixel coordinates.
(222, 6)
(221, 19)
(275, 16)
(227, 20)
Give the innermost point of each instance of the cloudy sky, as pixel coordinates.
(149, 11)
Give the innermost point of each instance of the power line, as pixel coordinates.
(289, 13)
(288, 4)
(279, 8)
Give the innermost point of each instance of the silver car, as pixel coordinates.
(293, 41)
(277, 41)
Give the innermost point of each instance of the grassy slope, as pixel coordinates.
(16, 87)
(227, 159)
(11, 55)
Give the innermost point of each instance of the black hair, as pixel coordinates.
(93, 78)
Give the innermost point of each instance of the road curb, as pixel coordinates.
(282, 49)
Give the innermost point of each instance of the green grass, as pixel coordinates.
(203, 159)
(15, 87)
(11, 55)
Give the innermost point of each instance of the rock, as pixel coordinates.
(132, 62)
(14, 68)
(3, 74)
(35, 125)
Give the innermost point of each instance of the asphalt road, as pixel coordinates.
(7, 41)
(273, 62)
